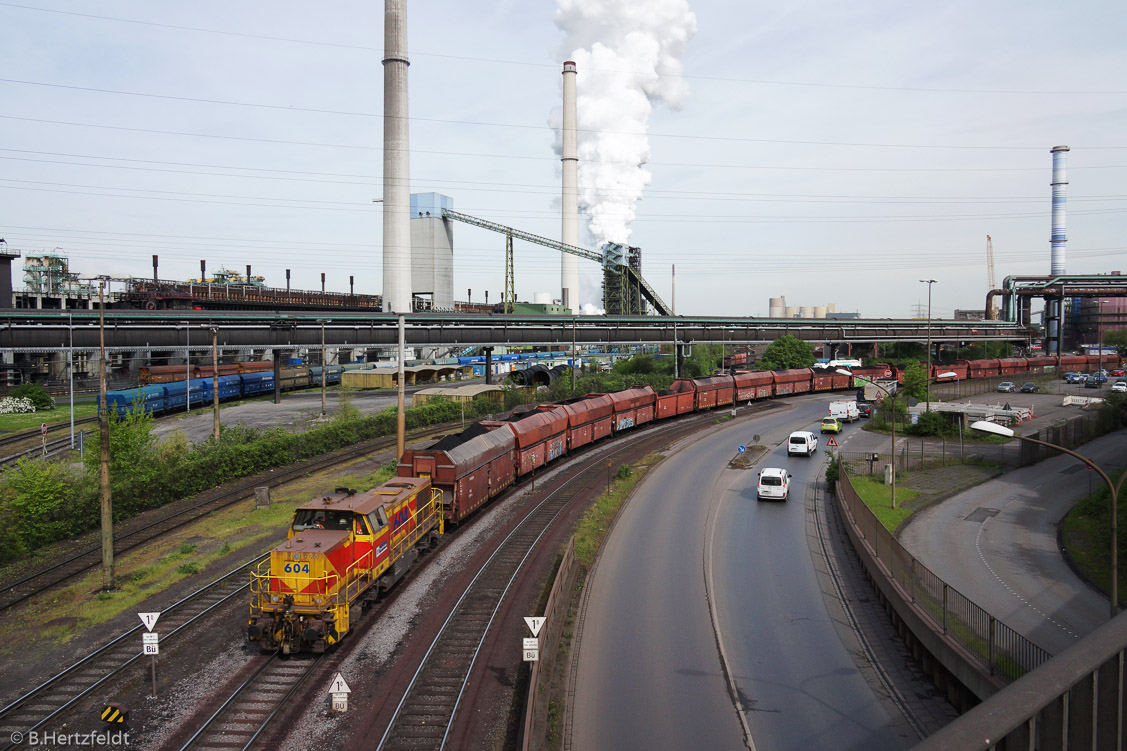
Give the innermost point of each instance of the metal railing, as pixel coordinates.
(992, 645)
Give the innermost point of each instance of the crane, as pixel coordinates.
(629, 277)
(991, 314)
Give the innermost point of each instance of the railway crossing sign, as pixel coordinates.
(535, 624)
(831, 444)
(43, 429)
(339, 691)
(149, 619)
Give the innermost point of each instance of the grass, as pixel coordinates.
(60, 415)
(1087, 536)
(592, 528)
(878, 497)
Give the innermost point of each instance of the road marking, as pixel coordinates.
(1012, 591)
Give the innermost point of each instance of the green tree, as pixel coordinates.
(915, 380)
(1117, 339)
(34, 393)
(787, 352)
(135, 468)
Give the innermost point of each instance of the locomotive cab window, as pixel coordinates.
(378, 518)
(318, 518)
(360, 524)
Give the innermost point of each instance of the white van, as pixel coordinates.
(846, 411)
(802, 442)
(773, 483)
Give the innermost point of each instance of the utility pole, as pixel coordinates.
(324, 365)
(928, 282)
(215, 379)
(104, 430)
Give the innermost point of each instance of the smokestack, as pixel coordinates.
(287, 280)
(154, 268)
(322, 282)
(396, 175)
(248, 273)
(351, 284)
(203, 270)
(569, 229)
(1060, 201)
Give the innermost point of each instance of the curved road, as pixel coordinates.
(997, 544)
(654, 673)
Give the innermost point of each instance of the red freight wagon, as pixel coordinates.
(678, 399)
(715, 391)
(588, 419)
(1043, 364)
(255, 366)
(1011, 365)
(468, 468)
(633, 406)
(793, 381)
(1073, 362)
(983, 368)
(541, 434)
(165, 373)
(206, 371)
(959, 368)
(755, 385)
(822, 379)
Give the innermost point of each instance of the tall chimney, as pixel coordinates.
(1060, 203)
(155, 267)
(322, 282)
(351, 284)
(248, 273)
(569, 229)
(287, 280)
(203, 270)
(396, 168)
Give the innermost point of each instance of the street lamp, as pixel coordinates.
(1113, 489)
(324, 364)
(928, 282)
(891, 395)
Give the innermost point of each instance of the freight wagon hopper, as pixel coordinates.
(467, 468)
(794, 381)
(678, 399)
(717, 391)
(828, 379)
(541, 435)
(633, 406)
(589, 418)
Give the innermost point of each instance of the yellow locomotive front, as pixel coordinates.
(341, 551)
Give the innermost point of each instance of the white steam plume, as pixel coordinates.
(628, 54)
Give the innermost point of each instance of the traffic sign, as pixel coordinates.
(339, 686)
(43, 428)
(151, 649)
(535, 624)
(150, 638)
(149, 619)
(831, 444)
(742, 449)
(532, 643)
(531, 655)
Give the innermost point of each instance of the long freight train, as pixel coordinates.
(343, 549)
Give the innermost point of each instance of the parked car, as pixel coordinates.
(1029, 387)
(773, 483)
(1006, 386)
(1092, 382)
(831, 425)
(802, 442)
(1119, 387)
(1118, 372)
(865, 409)
(1073, 377)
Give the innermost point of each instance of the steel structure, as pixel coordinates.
(630, 275)
(49, 331)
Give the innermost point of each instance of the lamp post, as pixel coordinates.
(215, 381)
(324, 365)
(1112, 488)
(891, 395)
(104, 439)
(928, 282)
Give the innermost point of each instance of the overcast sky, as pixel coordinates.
(825, 151)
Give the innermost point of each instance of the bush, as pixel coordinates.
(833, 471)
(34, 393)
(16, 405)
(932, 424)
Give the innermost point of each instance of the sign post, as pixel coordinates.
(150, 642)
(43, 433)
(339, 692)
(531, 647)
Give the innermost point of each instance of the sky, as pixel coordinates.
(826, 152)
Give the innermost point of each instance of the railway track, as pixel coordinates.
(425, 714)
(57, 697)
(30, 442)
(91, 556)
(239, 720)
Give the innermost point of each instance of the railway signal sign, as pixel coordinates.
(43, 428)
(535, 624)
(532, 643)
(114, 713)
(150, 643)
(831, 444)
(339, 691)
(149, 619)
(531, 655)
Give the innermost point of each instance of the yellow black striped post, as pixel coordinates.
(114, 714)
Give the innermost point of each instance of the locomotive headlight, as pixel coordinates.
(297, 556)
(274, 598)
(319, 600)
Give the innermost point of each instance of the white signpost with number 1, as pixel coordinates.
(150, 642)
(532, 646)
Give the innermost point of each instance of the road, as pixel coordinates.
(660, 659)
(997, 544)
